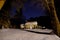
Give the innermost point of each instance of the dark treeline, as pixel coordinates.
(5, 15)
(42, 21)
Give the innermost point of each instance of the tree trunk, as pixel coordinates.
(53, 15)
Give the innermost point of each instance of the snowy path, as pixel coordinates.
(16, 34)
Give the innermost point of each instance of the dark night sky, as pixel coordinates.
(30, 10)
(12, 12)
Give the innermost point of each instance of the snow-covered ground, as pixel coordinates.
(40, 30)
(17, 34)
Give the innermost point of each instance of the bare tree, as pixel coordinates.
(55, 21)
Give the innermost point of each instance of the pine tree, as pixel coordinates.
(5, 14)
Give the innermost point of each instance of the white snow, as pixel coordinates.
(41, 30)
(17, 34)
